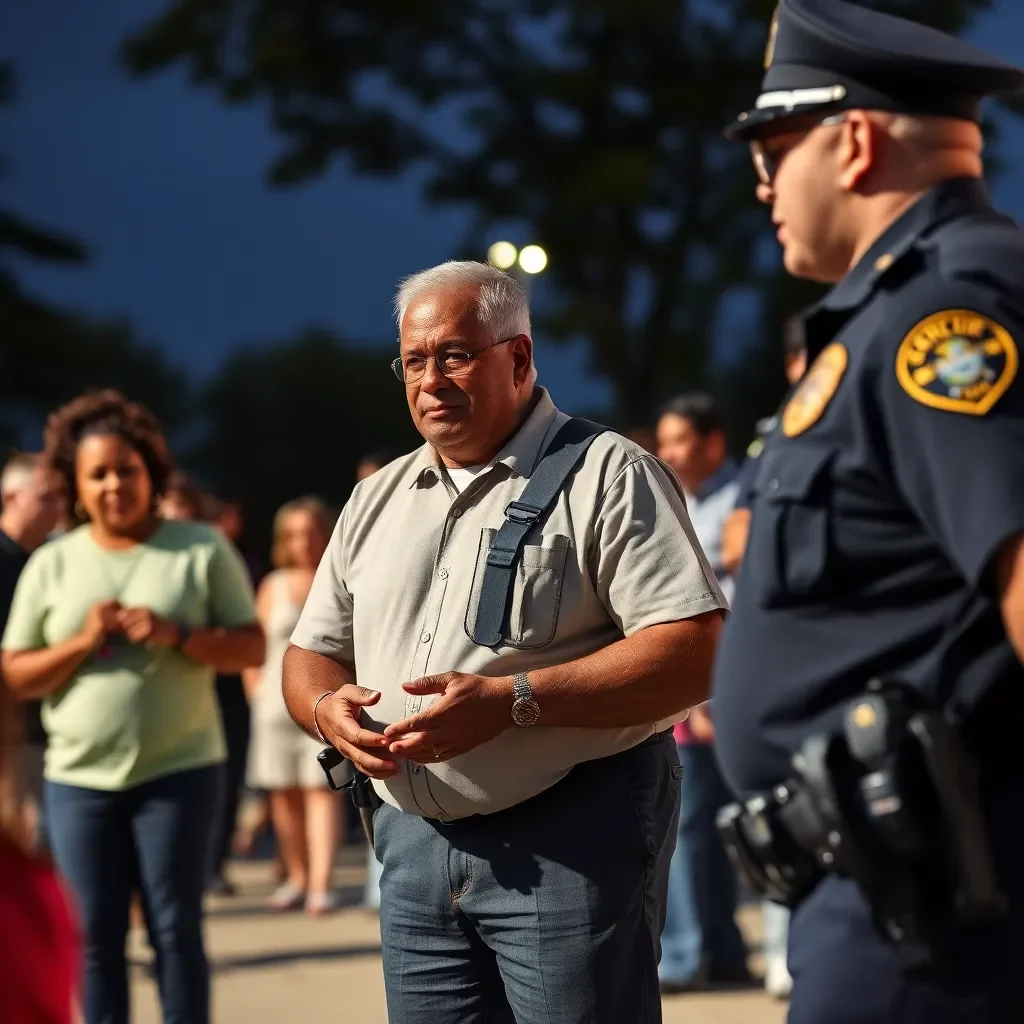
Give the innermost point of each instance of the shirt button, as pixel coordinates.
(773, 485)
(425, 638)
(443, 574)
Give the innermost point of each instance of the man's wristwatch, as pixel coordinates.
(525, 710)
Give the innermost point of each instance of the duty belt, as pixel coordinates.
(891, 802)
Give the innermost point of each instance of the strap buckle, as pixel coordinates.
(522, 513)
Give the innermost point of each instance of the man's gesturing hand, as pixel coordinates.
(338, 719)
(470, 711)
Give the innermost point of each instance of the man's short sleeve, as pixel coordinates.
(953, 405)
(647, 565)
(24, 629)
(325, 625)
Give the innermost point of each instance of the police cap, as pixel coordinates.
(827, 55)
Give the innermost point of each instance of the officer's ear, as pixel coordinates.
(856, 149)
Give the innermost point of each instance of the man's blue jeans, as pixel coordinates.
(547, 913)
(155, 837)
(701, 940)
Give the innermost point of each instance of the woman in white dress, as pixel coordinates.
(306, 814)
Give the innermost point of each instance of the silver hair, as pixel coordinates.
(501, 305)
(18, 473)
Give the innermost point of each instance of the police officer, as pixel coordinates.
(888, 506)
(737, 526)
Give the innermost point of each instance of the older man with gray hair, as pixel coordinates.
(504, 628)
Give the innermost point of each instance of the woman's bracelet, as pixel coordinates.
(316, 727)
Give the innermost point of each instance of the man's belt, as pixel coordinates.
(891, 802)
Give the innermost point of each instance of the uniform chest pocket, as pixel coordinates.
(790, 549)
(536, 590)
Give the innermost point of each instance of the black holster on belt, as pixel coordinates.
(343, 774)
(893, 803)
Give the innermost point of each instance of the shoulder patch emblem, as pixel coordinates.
(815, 391)
(957, 360)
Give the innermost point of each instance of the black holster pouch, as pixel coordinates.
(892, 802)
(343, 774)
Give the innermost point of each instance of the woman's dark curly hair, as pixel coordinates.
(102, 413)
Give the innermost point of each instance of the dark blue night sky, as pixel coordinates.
(166, 186)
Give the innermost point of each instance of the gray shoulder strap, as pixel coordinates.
(560, 458)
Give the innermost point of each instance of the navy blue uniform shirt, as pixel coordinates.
(894, 475)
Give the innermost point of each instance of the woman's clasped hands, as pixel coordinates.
(136, 625)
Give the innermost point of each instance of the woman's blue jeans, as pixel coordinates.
(156, 838)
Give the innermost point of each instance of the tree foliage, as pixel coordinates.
(49, 355)
(595, 125)
(295, 418)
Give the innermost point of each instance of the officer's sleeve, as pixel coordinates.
(325, 625)
(745, 481)
(952, 399)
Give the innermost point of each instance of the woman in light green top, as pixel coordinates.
(120, 626)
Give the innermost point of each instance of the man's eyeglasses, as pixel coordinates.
(767, 160)
(452, 362)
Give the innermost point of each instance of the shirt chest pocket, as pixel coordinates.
(790, 554)
(532, 608)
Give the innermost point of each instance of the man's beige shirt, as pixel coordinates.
(400, 583)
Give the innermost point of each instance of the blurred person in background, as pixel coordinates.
(30, 506)
(228, 516)
(40, 950)
(701, 943)
(242, 828)
(119, 626)
(777, 980)
(306, 813)
(371, 462)
(183, 498)
(646, 437)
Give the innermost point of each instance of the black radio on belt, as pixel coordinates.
(891, 802)
(343, 774)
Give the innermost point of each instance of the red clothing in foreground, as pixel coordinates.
(39, 946)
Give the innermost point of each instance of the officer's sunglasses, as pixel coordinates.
(452, 362)
(768, 153)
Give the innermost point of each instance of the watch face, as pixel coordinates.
(525, 713)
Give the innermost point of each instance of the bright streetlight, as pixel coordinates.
(502, 255)
(533, 259)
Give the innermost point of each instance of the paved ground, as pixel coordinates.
(271, 968)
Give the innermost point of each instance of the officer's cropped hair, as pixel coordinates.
(501, 306)
(699, 409)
